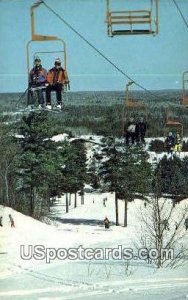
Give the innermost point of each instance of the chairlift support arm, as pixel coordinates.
(35, 37)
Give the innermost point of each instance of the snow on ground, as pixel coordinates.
(83, 227)
(154, 157)
(32, 279)
(27, 232)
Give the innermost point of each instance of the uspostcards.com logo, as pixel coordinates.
(40, 252)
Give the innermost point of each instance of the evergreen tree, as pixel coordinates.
(173, 178)
(7, 166)
(93, 170)
(39, 160)
(74, 171)
(125, 172)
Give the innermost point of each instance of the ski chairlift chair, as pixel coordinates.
(135, 106)
(138, 108)
(177, 128)
(133, 22)
(44, 38)
(185, 89)
(173, 125)
(66, 86)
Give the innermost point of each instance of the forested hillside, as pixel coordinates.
(101, 112)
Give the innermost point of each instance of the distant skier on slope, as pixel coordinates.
(11, 220)
(186, 223)
(104, 201)
(166, 224)
(106, 223)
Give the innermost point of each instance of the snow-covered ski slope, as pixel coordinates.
(84, 279)
(81, 279)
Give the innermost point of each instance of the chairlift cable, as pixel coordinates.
(21, 97)
(98, 51)
(181, 14)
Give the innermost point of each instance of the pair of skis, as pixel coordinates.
(53, 107)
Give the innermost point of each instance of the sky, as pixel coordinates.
(153, 62)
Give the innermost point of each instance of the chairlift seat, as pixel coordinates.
(175, 124)
(132, 19)
(132, 32)
(133, 22)
(172, 122)
(133, 103)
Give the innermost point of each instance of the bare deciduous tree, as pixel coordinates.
(162, 229)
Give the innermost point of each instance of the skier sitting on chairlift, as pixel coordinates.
(178, 143)
(141, 127)
(169, 143)
(37, 81)
(129, 132)
(56, 78)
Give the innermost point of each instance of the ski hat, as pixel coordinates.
(57, 61)
(37, 59)
(170, 133)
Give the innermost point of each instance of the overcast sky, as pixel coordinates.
(154, 62)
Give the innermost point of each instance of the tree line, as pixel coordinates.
(101, 112)
(128, 173)
(35, 168)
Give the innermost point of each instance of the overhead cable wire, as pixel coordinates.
(97, 50)
(21, 97)
(181, 14)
